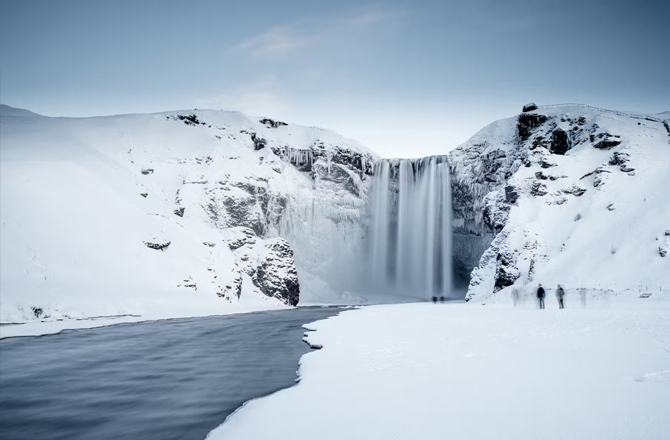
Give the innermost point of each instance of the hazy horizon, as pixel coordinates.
(406, 79)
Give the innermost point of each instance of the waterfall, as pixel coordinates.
(410, 237)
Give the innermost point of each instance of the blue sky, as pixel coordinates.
(406, 78)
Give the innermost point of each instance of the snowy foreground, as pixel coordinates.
(467, 371)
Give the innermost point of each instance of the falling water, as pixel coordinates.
(409, 241)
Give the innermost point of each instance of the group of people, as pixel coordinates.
(560, 294)
(541, 294)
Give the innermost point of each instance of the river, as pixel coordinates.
(172, 379)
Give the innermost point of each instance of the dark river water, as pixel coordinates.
(175, 379)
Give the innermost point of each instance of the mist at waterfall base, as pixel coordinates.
(408, 245)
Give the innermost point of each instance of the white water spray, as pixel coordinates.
(410, 235)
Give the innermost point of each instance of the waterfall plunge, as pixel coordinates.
(409, 241)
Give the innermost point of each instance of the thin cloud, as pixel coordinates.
(285, 39)
(276, 41)
(258, 98)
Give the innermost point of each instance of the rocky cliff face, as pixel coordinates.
(198, 210)
(567, 194)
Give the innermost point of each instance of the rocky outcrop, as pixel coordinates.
(159, 245)
(268, 262)
(604, 140)
(560, 142)
(527, 123)
(276, 273)
(272, 123)
(359, 163)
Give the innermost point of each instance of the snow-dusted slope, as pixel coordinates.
(170, 214)
(575, 196)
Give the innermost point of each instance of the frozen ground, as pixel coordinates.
(470, 371)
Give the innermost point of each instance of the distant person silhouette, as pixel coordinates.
(515, 296)
(582, 296)
(442, 299)
(434, 300)
(560, 293)
(540, 295)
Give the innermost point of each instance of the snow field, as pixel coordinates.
(469, 371)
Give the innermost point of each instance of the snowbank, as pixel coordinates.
(467, 371)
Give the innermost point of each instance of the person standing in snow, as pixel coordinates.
(582, 296)
(515, 296)
(434, 300)
(560, 293)
(540, 295)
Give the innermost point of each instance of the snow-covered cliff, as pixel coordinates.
(172, 214)
(572, 194)
(203, 212)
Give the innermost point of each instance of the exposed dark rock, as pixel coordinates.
(560, 142)
(228, 208)
(511, 194)
(271, 123)
(259, 142)
(626, 169)
(528, 122)
(538, 189)
(189, 119)
(611, 207)
(575, 191)
(277, 276)
(529, 107)
(540, 175)
(161, 246)
(546, 165)
(578, 217)
(179, 211)
(506, 273)
(37, 311)
(605, 141)
(540, 142)
(618, 158)
(598, 170)
(147, 171)
(495, 214)
(242, 236)
(209, 243)
(144, 195)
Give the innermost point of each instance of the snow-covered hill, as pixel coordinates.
(573, 195)
(171, 214)
(203, 212)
